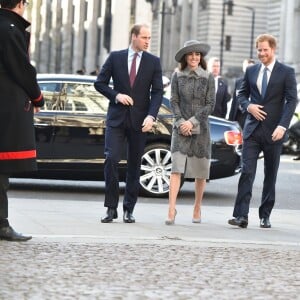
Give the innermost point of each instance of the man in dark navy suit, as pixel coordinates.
(269, 94)
(134, 102)
(221, 88)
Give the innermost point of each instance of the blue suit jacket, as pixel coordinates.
(146, 92)
(279, 102)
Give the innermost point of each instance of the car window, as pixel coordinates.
(51, 91)
(83, 97)
(73, 97)
(165, 108)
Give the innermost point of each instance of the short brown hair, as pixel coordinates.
(266, 38)
(136, 28)
(10, 4)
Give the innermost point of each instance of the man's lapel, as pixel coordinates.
(142, 65)
(255, 72)
(274, 74)
(123, 65)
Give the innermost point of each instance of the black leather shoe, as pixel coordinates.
(128, 217)
(265, 223)
(111, 214)
(7, 233)
(239, 221)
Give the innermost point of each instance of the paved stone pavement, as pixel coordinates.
(73, 256)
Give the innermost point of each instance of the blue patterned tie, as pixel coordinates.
(264, 83)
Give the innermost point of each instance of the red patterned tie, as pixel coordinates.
(132, 73)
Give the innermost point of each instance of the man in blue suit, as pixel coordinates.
(269, 95)
(134, 102)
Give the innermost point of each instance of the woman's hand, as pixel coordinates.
(186, 128)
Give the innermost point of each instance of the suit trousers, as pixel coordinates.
(115, 138)
(251, 149)
(4, 184)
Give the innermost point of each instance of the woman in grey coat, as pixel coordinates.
(192, 101)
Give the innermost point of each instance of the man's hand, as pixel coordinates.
(147, 124)
(278, 133)
(36, 109)
(257, 111)
(124, 99)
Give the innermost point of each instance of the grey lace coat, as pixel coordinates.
(192, 98)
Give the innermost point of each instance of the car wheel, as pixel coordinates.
(155, 170)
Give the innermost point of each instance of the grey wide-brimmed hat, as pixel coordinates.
(192, 46)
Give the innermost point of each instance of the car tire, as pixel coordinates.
(155, 170)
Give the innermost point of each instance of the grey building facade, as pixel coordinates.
(204, 20)
(72, 35)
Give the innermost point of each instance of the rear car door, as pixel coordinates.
(44, 121)
(79, 127)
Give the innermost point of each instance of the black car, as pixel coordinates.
(70, 132)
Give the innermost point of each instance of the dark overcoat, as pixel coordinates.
(19, 92)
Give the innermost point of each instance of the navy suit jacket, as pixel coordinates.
(279, 101)
(146, 92)
(222, 97)
(235, 104)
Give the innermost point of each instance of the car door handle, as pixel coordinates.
(42, 124)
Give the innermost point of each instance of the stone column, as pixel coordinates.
(67, 36)
(78, 31)
(91, 28)
(174, 43)
(55, 35)
(44, 41)
(286, 41)
(296, 45)
(185, 32)
(121, 24)
(143, 13)
(33, 15)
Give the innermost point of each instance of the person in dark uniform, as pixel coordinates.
(20, 97)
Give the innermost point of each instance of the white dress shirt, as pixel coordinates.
(261, 72)
(131, 53)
